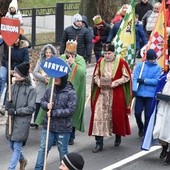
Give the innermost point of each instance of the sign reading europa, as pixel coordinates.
(10, 30)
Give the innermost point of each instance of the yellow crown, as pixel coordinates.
(71, 46)
(97, 20)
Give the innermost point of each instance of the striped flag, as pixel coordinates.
(158, 39)
(125, 40)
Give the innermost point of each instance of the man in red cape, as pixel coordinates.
(110, 98)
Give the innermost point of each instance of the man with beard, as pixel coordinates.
(110, 98)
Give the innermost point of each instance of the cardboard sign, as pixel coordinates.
(55, 67)
(10, 30)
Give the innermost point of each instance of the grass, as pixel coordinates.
(41, 3)
(41, 38)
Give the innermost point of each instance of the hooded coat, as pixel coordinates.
(64, 105)
(19, 54)
(38, 73)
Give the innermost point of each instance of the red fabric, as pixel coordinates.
(116, 18)
(168, 17)
(120, 112)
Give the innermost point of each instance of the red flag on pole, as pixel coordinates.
(158, 39)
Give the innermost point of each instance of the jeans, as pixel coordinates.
(143, 103)
(62, 140)
(16, 155)
(3, 78)
(72, 135)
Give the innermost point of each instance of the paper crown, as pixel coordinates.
(71, 46)
(97, 20)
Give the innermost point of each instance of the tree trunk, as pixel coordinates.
(4, 4)
(106, 8)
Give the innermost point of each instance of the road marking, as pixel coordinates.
(131, 158)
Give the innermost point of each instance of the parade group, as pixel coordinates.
(113, 88)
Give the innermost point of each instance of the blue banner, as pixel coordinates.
(55, 67)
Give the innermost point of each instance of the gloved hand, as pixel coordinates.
(9, 105)
(94, 41)
(97, 38)
(134, 94)
(139, 80)
(11, 111)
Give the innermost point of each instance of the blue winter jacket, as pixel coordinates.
(151, 74)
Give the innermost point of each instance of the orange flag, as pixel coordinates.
(158, 39)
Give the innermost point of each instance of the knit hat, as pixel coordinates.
(97, 20)
(22, 69)
(73, 161)
(71, 46)
(108, 47)
(77, 17)
(14, 4)
(151, 54)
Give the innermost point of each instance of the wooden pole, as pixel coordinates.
(9, 85)
(48, 125)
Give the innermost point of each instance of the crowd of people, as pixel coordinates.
(113, 87)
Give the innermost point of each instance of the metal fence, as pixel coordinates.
(58, 12)
(57, 21)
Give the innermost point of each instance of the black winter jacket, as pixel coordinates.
(103, 33)
(83, 37)
(142, 8)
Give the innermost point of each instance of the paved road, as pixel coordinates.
(84, 144)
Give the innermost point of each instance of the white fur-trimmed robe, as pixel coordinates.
(162, 125)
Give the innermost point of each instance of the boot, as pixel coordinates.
(2, 110)
(23, 164)
(71, 141)
(164, 152)
(167, 160)
(97, 149)
(117, 140)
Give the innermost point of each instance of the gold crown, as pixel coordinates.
(97, 20)
(71, 46)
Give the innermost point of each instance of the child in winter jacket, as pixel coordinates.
(20, 110)
(62, 108)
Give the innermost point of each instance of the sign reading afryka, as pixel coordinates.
(10, 30)
(55, 67)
